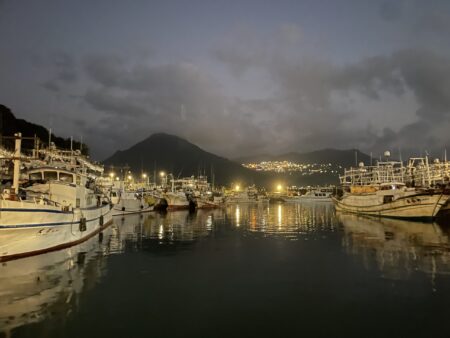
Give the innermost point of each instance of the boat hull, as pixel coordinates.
(411, 207)
(131, 206)
(28, 229)
(177, 201)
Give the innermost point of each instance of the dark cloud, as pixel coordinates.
(316, 97)
(63, 68)
(51, 86)
(311, 107)
(391, 10)
(140, 99)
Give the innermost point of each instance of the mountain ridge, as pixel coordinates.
(173, 154)
(176, 155)
(10, 124)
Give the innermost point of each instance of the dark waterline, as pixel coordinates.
(244, 271)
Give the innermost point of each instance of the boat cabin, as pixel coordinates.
(61, 187)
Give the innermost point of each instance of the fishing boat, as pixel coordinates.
(53, 207)
(317, 194)
(178, 200)
(247, 195)
(381, 191)
(132, 202)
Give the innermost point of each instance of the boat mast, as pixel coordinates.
(15, 186)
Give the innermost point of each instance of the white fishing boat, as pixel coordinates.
(392, 200)
(178, 200)
(247, 195)
(53, 208)
(318, 194)
(380, 191)
(132, 202)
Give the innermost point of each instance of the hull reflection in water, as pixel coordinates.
(397, 248)
(290, 221)
(34, 288)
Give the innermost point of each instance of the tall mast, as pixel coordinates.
(18, 145)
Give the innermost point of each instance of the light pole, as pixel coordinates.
(163, 176)
(145, 177)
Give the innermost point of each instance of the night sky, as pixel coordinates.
(234, 77)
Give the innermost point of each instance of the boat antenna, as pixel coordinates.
(49, 137)
(356, 157)
(445, 155)
(370, 158)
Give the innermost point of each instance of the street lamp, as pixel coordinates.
(145, 178)
(162, 174)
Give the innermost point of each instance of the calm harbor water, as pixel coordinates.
(242, 271)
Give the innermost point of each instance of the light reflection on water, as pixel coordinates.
(40, 288)
(290, 221)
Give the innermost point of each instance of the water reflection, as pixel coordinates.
(35, 288)
(397, 248)
(290, 221)
(239, 244)
(144, 232)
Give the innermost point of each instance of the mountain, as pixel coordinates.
(172, 154)
(344, 158)
(9, 125)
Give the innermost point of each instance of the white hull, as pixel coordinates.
(410, 206)
(205, 204)
(30, 228)
(176, 201)
(131, 206)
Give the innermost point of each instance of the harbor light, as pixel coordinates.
(279, 187)
(162, 174)
(144, 176)
(117, 178)
(237, 187)
(111, 174)
(129, 177)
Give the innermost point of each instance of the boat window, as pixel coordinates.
(50, 175)
(36, 176)
(66, 177)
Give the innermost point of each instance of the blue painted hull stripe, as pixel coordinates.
(46, 210)
(35, 210)
(43, 224)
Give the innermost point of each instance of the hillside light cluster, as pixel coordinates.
(287, 166)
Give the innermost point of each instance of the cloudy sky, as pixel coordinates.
(235, 77)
